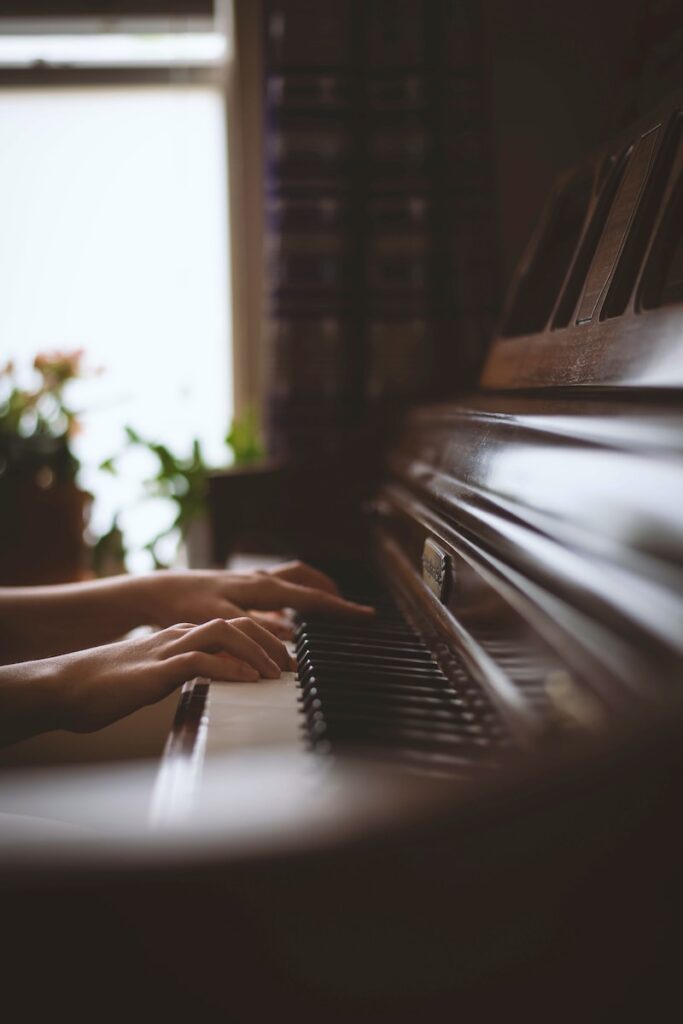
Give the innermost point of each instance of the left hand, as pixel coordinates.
(200, 595)
(86, 690)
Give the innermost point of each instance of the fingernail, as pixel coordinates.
(293, 664)
(273, 671)
(251, 675)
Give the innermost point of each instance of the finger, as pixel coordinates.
(318, 602)
(306, 576)
(274, 647)
(223, 667)
(166, 638)
(221, 636)
(278, 625)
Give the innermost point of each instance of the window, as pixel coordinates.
(114, 213)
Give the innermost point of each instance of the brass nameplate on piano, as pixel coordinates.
(435, 563)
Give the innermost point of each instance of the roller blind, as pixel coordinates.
(106, 9)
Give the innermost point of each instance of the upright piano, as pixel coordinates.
(523, 543)
(471, 804)
(524, 548)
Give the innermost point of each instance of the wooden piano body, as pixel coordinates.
(554, 493)
(532, 535)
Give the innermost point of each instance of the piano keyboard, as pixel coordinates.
(379, 689)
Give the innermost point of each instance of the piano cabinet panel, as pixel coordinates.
(546, 688)
(595, 301)
(562, 517)
(644, 352)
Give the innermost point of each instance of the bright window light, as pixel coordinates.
(187, 49)
(113, 205)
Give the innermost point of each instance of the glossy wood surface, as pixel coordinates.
(579, 312)
(561, 518)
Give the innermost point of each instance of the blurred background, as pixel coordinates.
(291, 216)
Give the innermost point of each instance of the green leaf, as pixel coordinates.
(244, 438)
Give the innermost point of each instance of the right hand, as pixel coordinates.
(98, 686)
(199, 594)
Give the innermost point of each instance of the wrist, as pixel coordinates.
(141, 596)
(129, 601)
(52, 692)
(33, 699)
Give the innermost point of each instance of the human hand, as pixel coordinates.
(199, 595)
(89, 689)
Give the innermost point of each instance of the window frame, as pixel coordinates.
(239, 79)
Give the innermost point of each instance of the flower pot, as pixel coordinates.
(42, 523)
(40, 457)
(196, 546)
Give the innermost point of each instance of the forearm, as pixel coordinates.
(30, 700)
(37, 622)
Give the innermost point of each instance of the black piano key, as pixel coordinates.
(348, 733)
(389, 677)
(361, 630)
(355, 730)
(389, 663)
(382, 642)
(361, 660)
(386, 698)
(385, 693)
(383, 639)
(385, 680)
(370, 644)
(364, 678)
(438, 721)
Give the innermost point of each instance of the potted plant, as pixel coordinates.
(42, 510)
(184, 480)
